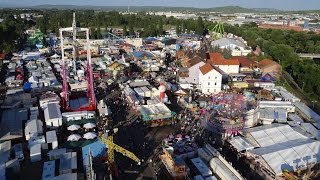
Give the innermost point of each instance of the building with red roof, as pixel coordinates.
(190, 73)
(210, 79)
(226, 65)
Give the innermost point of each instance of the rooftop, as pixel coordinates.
(281, 147)
(241, 143)
(195, 60)
(218, 59)
(206, 68)
(244, 61)
(155, 111)
(68, 161)
(215, 56)
(11, 123)
(201, 167)
(5, 151)
(51, 136)
(227, 42)
(307, 111)
(266, 63)
(48, 169)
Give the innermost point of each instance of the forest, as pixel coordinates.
(281, 46)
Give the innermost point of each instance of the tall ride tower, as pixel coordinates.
(91, 105)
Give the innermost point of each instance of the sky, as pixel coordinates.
(277, 4)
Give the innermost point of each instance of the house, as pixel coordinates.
(191, 74)
(237, 47)
(226, 65)
(246, 65)
(271, 67)
(210, 79)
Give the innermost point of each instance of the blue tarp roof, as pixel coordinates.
(27, 86)
(140, 54)
(97, 149)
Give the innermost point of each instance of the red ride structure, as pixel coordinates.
(66, 94)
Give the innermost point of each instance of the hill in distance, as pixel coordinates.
(225, 9)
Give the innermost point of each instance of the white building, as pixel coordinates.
(210, 79)
(52, 115)
(191, 75)
(70, 116)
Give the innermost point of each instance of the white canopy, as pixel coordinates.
(74, 137)
(89, 125)
(89, 135)
(55, 56)
(73, 127)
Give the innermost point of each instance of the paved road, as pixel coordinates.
(134, 136)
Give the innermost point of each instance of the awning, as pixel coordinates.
(90, 135)
(73, 127)
(89, 125)
(74, 137)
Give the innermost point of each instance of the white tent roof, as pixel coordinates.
(282, 148)
(89, 125)
(272, 134)
(286, 156)
(55, 56)
(74, 137)
(241, 143)
(90, 135)
(73, 127)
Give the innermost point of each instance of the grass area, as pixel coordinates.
(285, 84)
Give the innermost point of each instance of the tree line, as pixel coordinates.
(283, 46)
(12, 33)
(142, 23)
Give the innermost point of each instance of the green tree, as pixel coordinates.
(227, 53)
(99, 35)
(131, 30)
(160, 28)
(215, 49)
(178, 30)
(200, 26)
(310, 47)
(125, 32)
(317, 47)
